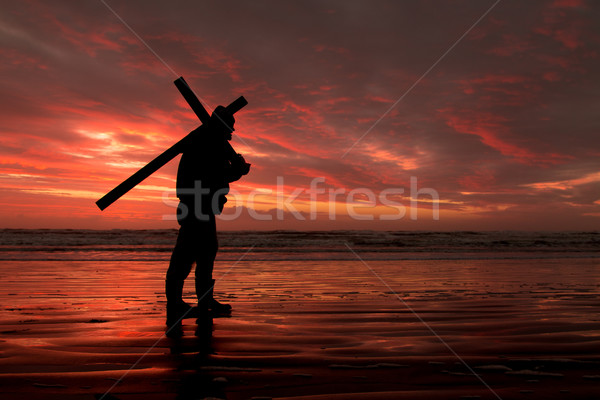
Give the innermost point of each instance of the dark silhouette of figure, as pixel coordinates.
(208, 164)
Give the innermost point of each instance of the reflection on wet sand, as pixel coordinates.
(311, 329)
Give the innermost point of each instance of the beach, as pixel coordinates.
(342, 316)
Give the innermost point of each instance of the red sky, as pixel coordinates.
(504, 128)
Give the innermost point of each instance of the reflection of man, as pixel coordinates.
(208, 164)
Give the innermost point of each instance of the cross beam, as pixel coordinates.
(172, 151)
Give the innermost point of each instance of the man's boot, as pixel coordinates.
(176, 307)
(206, 301)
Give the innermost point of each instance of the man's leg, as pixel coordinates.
(180, 266)
(205, 260)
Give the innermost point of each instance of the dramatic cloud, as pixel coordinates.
(504, 128)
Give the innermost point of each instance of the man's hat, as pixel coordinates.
(224, 115)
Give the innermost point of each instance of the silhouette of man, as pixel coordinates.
(208, 164)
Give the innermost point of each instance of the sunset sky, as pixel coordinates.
(504, 126)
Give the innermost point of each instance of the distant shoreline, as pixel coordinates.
(417, 231)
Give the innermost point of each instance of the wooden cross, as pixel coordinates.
(174, 150)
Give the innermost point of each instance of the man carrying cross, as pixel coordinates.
(208, 164)
(206, 168)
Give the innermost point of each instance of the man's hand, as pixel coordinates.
(240, 165)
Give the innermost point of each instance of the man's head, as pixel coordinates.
(223, 121)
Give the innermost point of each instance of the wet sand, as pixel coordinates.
(513, 329)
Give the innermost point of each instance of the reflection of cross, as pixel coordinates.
(173, 151)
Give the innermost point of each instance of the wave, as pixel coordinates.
(126, 245)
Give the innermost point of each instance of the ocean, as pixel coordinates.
(155, 245)
(341, 315)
